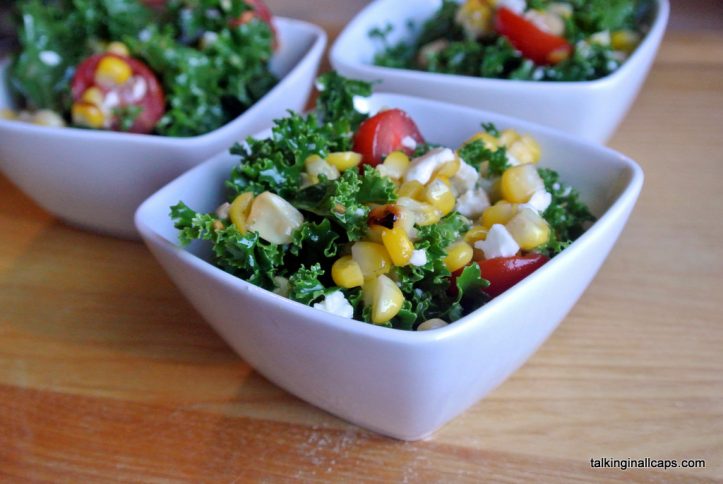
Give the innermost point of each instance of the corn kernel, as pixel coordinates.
(476, 17)
(625, 40)
(118, 48)
(374, 233)
(406, 222)
(372, 258)
(424, 213)
(344, 160)
(509, 136)
(489, 141)
(499, 213)
(8, 114)
(528, 229)
(411, 189)
(449, 169)
(398, 245)
(526, 149)
(346, 273)
(87, 115)
(440, 196)
(387, 300)
(459, 255)
(112, 71)
(274, 218)
(316, 166)
(475, 234)
(238, 212)
(47, 117)
(395, 165)
(520, 182)
(94, 96)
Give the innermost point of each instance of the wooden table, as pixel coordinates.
(107, 373)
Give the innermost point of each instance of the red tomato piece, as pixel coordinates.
(505, 272)
(535, 44)
(262, 11)
(381, 134)
(142, 90)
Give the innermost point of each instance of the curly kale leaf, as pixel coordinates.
(305, 286)
(336, 100)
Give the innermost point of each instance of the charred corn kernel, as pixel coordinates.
(112, 71)
(372, 258)
(8, 114)
(374, 233)
(499, 213)
(459, 255)
(346, 273)
(46, 117)
(476, 17)
(449, 169)
(520, 182)
(238, 212)
(387, 300)
(509, 136)
(440, 196)
(526, 149)
(475, 234)
(624, 40)
(93, 95)
(343, 160)
(118, 48)
(87, 115)
(398, 245)
(411, 189)
(490, 142)
(316, 166)
(528, 229)
(273, 218)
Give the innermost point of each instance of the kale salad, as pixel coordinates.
(183, 69)
(532, 40)
(358, 215)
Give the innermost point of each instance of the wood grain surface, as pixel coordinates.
(107, 373)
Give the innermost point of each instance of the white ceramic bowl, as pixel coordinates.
(590, 109)
(97, 179)
(402, 384)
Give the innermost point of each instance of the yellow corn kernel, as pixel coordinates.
(372, 258)
(509, 136)
(395, 165)
(476, 17)
(386, 301)
(475, 234)
(490, 142)
(526, 149)
(449, 169)
(424, 213)
(8, 114)
(47, 117)
(344, 160)
(624, 40)
(406, 222)
(112, 71)
(440, 196)
(93, 95)
(239, 210)
(398, 245)
(520, 182)
(316, 165)
(346, 273)
(374, 233)
(499, 213)
(411, 189)
(118, 48)
(459, 255)
(87, 115)
(528, 229)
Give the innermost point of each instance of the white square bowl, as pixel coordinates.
(402, 384)
(591, 109)
(97, 179)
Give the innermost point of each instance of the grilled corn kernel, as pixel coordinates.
(509, 136)
(526, 149)
(424, 213)
(490, 142)
(112, 71)
(520, 182)
(387, 300)
(459, 255)
(46, 117)
(406, 222)
(238, 212)
(528, 229)
(346, 273)
(274, 218)
(372, 258)
(398, 245)
(449, 169)
(118, 48)
(343, 160)
(475, 234)
(374, 233)
(93, 95)
(440, 196)
(499, 213)
(316, 165)
(411, 189)
(396, 164)
(87, 115)
(624, 40)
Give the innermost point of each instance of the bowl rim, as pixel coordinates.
(627, 196)
(656, 30)
(318, 43)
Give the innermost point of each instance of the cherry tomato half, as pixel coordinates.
(505, 272)
(262, 11)
(535, 44)
(142, 90)
(381, 134)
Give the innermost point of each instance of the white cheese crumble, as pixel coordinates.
(140, 87)
(282, 286)
(222, 210)
(361, 104)
(499, 243)
(419, 258)
(539, 201)
(465, 179)
(435, 323)
(421, 169)
(336, 303)
(517, 6)
(512, 160)
(408, 142)
(49, 58)
(472, 203)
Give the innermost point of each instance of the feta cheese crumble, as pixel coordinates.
(408, 142)
(336, 303)
(49, 58)
(499, 243)
(539, 201)
(421, 169)
(466, 178)
(472, 203)
(419, 258)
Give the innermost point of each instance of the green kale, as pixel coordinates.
(479, 156)
(127, 116)
(305, 286)
(336, 100)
